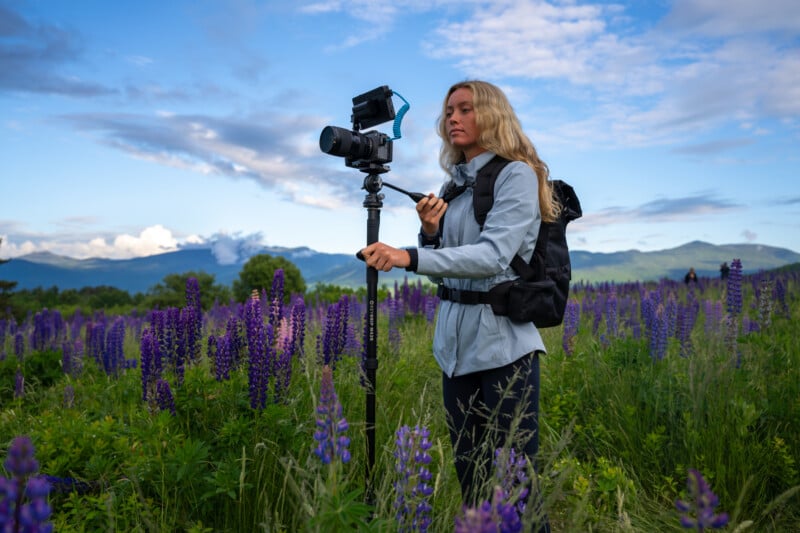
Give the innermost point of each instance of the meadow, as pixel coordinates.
(664, 407)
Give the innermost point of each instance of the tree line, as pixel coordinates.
(256, 274)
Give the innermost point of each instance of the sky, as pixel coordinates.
(135, 128)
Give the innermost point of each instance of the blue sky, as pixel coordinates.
(134, 128)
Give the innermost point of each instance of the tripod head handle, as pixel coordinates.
(416, 196)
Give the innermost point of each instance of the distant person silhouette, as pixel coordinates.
(690, 277)
(724, 270)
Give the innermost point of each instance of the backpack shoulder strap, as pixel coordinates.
(483, 193)
(482, 190)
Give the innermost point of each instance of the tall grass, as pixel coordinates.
(622, 421)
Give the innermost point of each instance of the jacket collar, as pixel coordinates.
(464, 173)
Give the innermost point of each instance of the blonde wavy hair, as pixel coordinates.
(501, 133)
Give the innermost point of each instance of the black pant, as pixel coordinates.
(488, 410)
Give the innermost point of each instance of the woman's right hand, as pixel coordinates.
(430, 210)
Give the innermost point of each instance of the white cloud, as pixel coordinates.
(709, 64)
(152, 240)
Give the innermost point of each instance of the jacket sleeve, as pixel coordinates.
(514, 214)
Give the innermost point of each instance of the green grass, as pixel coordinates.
(619, 432)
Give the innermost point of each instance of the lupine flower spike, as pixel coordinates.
(489, 517)
(511, 473)
(16, 514)
(331, 424)
(413, 488)
(698, 512)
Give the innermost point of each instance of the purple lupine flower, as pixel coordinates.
(223, 357)
(339, 331)
(48, 330)
(276, 298)
(413, 484)
(671, 315)
(156, 318)
(698, 512)
(172, 348)
(21, 462)
(684, 332)
(749, 326)
(512, 475)
(96, 339)
(734, 298)
(331, 424)
(65, 485)
(233, 330)
(16, 514)
(34, 514)
(489, 517)
(299, 325)
(76, 324)
(19, 344)
(612, 308)
(658, 334)
(186, 342)
(191, 330)
(150, 374)
(259, 337)
(19, 384)
(331, 344)
(164, 398)
(352, 344)
(113, 355)
(648, 311)
(571, 321)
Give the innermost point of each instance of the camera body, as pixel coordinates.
(360, 150)
(370, 151)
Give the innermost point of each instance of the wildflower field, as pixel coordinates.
(664, 407)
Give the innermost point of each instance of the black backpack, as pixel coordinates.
(540, 294)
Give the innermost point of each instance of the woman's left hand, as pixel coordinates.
(383, 257)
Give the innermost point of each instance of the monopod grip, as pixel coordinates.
(360, 256)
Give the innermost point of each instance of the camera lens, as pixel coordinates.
(345, 143)
(330, 139)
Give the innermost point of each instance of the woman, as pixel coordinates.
(490, 365)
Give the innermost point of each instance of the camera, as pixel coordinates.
(369, 151)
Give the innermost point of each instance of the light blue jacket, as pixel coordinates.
(470, 338)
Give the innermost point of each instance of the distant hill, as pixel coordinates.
(142, 273)
(673, 263)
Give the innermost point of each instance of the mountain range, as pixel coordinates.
(142, 273)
